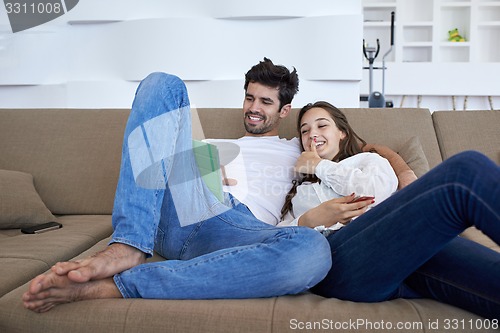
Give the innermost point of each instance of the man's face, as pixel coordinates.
(261, 110)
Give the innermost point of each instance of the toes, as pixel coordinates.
(80, 275)
(45, 308)
(36, 284)
(40, 306)
(62, 268)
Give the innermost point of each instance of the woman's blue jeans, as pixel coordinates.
(215, 250)
(408, 246)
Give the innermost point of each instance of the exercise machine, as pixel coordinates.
(376, 99)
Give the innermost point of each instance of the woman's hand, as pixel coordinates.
(308, 160)
(335, 210)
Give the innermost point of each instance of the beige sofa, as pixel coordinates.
(74, 156)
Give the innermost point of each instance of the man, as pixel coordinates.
(215, 250)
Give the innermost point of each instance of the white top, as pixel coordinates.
(264, 169)
(363, 174)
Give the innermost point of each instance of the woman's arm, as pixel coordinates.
(362, 174)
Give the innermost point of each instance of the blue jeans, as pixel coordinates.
(408, 246)
(215, 250)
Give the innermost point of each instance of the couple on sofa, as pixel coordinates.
(405, 245)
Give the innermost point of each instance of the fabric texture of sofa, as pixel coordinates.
(63, 164)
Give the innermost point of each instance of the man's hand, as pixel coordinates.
(335, 210)
(308, 160)
(227, 181)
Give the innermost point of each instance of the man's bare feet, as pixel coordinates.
(115, 259)
(89, 278)
(48, 290)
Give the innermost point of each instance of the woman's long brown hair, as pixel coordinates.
(351, 145)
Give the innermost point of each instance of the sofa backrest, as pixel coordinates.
(74, 155)
(464, 130)
(390, 127)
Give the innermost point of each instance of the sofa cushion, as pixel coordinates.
(468, 130)
(277, 314)
(74, 155)
(23, 256)
(478, 236)
(413, 154)
(20, 204)
(373, 125)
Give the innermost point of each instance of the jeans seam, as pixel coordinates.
(126, 241)
(187, 264)
(288, 232)
(120, 286)
(245, 228)
(189, 238)
(456, 286)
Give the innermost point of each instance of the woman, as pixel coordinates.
(408, 245)
(335, 165)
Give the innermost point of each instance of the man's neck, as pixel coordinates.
(273, 133)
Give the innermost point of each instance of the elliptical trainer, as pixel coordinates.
(376, 99)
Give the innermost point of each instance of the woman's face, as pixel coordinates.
(318, 124)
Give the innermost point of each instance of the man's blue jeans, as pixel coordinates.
(408, 245)
(215, 250)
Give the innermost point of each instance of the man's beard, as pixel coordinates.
(265, 127)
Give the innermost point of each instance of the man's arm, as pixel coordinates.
(405, 175)
(227, 181)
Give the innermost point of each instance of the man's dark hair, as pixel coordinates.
(274, 76)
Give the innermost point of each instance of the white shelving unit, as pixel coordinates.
(422, 29)
(421, 41)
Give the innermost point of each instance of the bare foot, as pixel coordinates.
(48, 290)
(115, 259)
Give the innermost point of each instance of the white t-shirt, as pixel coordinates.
(363, 174)
(264, 170)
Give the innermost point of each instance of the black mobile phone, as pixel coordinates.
(38, 229)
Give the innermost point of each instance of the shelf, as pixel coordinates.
(455, 4)
(488, 24)
(416, 10)
(418, 24)
(489, 13)
(487, 39)
(454, 44)
(454, 54)
(377, 3)
(417, 54)
(437, 67)
(417, 33)
(417, 44)
(380, 5)
(376, 24)
(455, 18)
(422, 29)
(378, 14)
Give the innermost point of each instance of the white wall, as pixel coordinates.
(448, 88)
(95, 55)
